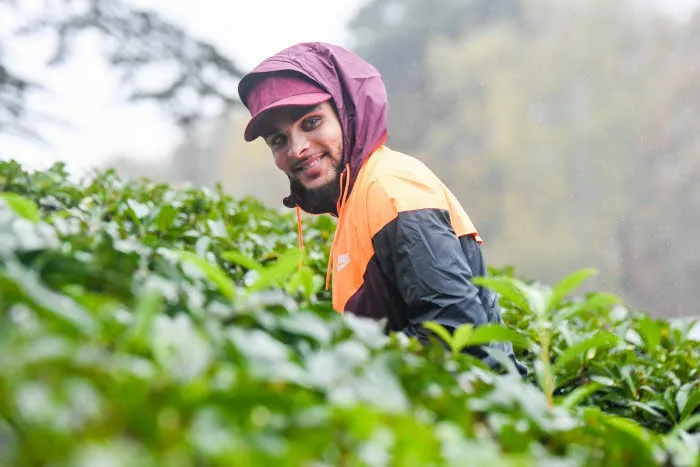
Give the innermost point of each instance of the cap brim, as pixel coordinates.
(252, 131)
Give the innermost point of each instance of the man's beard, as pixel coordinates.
(320, 200)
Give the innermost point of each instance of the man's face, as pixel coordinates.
(307, 144)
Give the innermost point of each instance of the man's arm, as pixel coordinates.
(431, 268)
(421, 254)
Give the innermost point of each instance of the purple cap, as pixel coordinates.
(278, 91)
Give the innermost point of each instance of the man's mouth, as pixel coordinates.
(309, 163)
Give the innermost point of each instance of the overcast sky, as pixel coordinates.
(85, 92)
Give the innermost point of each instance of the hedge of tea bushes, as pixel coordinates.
(146, 325)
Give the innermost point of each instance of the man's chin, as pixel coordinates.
(319, 199)
(316, 185)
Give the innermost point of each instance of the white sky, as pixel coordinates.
(85, 92)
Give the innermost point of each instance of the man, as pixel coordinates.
(404, 248)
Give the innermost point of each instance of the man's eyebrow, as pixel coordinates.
(271, 130)
(305, 110)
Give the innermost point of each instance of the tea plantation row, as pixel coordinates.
(142, 325)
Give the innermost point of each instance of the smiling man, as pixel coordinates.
(404, 249)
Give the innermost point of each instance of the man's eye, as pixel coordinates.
(276, 140)
(311, 123)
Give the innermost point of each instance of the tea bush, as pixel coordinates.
(143, 325)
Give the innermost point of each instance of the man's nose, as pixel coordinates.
(298, 146)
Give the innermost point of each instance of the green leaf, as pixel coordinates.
(179, 347)
(138, 210)
(651, 332)
(599, 340)
(579, 394)
(599, 300)
(604, 380)
(501, 357)
(278, 272)
(165, 218)
(639, 441)
(688, 424)
(213, 272)
(567, 285)
(647, 408)
(58, 306)
(511, 289)
(242, 260)
(304, 279)
(440, 330)
(487, 333)
(22, 206)
(461, 337)
(148, 305)
(688, 399)
(307, 324)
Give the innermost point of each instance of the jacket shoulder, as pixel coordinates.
(397, 182)
(404, 180)
(394, 183)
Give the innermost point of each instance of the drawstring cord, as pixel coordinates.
(340, 205)
(300, 233)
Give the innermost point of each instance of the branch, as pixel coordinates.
(139, 42)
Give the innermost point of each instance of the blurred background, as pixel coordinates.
(567, 128)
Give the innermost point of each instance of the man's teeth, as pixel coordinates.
(305, 167)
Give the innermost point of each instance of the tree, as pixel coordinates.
(395, 35)
(202, 78)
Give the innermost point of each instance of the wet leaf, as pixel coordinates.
(213, 272)
(441, 331)
(568, 285)
(598, 341)
(22, 206)
(497, 333)
(510, 288)
(688, 399)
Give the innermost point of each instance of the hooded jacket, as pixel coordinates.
(404, 249)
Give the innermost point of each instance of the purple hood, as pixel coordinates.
(357, 90)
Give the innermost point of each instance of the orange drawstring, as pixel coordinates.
(301, 237)
(339, 208)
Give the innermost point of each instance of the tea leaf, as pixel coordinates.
(651, 332)
(22, 206)
(462, 337)
(639, 442)
(688, 399)
(279, 271)
(599, 300)
(579, 394)
(600, 340)
(213, 272)
(57, 306)
(440, 330)
(646, 408)
(568, 285)
(688, 424)
(510, 288)
(241, 259)
(488, 333)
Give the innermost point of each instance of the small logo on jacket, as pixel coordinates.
(343, 260)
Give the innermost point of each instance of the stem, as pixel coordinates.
(548, 382)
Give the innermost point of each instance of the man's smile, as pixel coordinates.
(309, 163)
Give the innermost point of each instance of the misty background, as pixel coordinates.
(567, 129)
